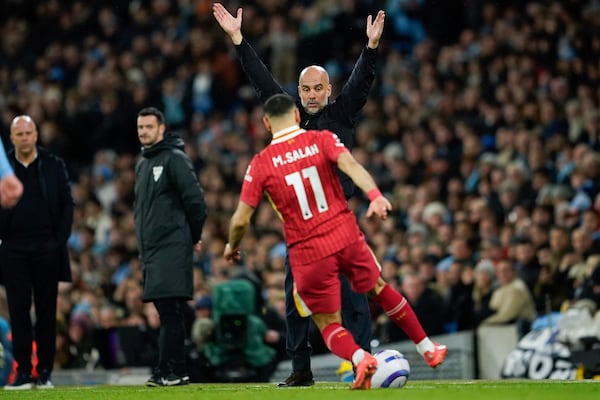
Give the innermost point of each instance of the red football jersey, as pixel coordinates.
(297, 172)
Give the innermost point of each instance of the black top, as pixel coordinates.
(46, 208)
(339, 116)
(31, 225)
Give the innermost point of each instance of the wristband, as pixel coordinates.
(373, 194)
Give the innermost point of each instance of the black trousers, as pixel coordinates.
(171, 337)
(28, 274)
(355, 317)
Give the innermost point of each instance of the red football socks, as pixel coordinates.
(339, 340)
(401, 313)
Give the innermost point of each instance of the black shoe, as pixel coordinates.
(155, 380)
(43, 381)
(176, 380)
(44, 384)
(22, 382)
(298, 378)
(169, 380)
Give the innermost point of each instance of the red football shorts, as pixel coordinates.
(317, 285)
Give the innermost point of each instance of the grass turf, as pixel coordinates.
(429, 390)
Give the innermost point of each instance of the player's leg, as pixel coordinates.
(363, 270)
(296, 340)
(341, 343)
(356, 316)
(318, 294)
(401, 313)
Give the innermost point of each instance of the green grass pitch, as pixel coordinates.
(414, 390)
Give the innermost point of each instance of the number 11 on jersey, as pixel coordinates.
(295, 180)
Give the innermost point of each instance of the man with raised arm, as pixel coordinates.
(317, 111)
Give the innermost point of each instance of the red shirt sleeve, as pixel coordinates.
(252, 187)
(332, 145)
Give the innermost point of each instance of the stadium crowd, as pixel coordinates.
(483, 129)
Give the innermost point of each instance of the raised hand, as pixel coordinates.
(230, 24)
(375, 29)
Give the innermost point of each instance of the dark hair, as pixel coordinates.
(144, 112)
(279, 104)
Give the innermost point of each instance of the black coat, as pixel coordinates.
(339, 116)
(169, 214)
(54, 185)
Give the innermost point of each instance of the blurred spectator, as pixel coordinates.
(202, 329)
(526, 263)
(407, 26)
(483, 286)
(511, 301)
(79, 342)
(460, 252)
(428, 306)
(457, 300)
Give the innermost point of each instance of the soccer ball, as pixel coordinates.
(392, 369)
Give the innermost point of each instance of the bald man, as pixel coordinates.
(34, 255)
(317, 112)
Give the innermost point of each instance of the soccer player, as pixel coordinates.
(297, 172)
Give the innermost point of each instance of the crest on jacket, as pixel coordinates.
(157, 172)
